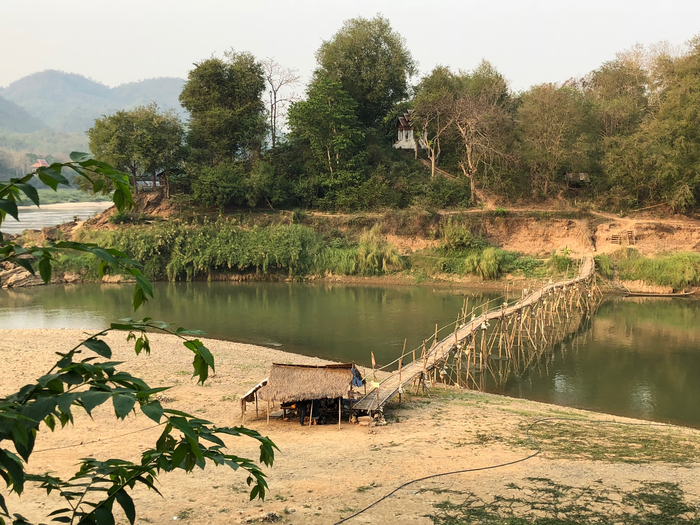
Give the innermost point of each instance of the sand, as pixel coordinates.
(321, 473)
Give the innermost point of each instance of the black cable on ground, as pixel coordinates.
(527, 433)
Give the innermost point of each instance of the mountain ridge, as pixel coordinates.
(69, 102)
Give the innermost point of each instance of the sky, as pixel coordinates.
(529, 41)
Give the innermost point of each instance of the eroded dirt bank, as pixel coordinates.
(321, 473)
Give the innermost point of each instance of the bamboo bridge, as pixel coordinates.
(523, 332)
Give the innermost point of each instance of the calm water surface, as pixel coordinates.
(636, 357)
(33, 218)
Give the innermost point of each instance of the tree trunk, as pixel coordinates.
(330, 163)
(472, 182)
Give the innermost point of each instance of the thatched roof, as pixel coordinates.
(290, 383)
(249, 396)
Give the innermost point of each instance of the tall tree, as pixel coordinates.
(327, 121)
(144, 142)
(227, 114)
(483, 130)
(433, 115)
(661, 161)
(372, 63)
(553, 125)
(483, 122)
(279, 79)
(618, 90)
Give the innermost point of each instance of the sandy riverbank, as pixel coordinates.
(322, 473)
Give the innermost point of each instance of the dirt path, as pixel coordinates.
(321, 473)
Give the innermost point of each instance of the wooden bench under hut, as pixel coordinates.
(293, 384)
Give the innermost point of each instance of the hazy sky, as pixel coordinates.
(528, 41)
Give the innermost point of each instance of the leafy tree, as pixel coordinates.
(220, 185)
(227, 115)
(327, 121)
(660, 161)
(483, 124)
(371, 62)
(77, 383)
(433, 115)
(553, 125)
(230, 184)
(618, 90)
(144, 142)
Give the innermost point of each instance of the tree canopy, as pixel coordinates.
(144, 142)
(372, 63)
(227, 114)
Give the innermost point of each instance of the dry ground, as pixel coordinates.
(322, 473)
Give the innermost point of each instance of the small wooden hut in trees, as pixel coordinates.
(405, 136)
(576, 178)
(297, 383)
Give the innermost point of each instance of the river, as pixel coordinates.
(636, 357)
(33, 218)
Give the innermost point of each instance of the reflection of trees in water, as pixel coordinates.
(634, 358)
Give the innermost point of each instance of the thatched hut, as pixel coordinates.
(296, 383)
(251, 396)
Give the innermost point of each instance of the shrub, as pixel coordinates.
(678, 270)
(375, 255)
(120, 217)
(489, 264)
(456, 236)
(529, 266)
(560, 263)
(604, 265)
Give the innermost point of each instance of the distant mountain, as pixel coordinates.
(70, 103)
(17, 119)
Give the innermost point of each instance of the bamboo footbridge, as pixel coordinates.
(523, 332)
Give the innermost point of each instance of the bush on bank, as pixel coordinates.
(678, 270)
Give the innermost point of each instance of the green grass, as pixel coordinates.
(186, 251)
(678, 270)
(541, 501)
(614, 443)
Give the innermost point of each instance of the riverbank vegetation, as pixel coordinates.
(228, 248)
(679, 270)
(624, 136)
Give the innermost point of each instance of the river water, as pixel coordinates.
(636, 357)
(33, 218)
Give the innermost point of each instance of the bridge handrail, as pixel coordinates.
(586, 270)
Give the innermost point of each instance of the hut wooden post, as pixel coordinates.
(256, 405)
(340, 399)
(268, 412)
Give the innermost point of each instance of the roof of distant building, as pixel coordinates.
(40, 163)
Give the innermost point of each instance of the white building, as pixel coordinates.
(405, 137)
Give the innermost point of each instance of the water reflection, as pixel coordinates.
(636, 357)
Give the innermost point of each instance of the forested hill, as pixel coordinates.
(17, 119)
(70, 103)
